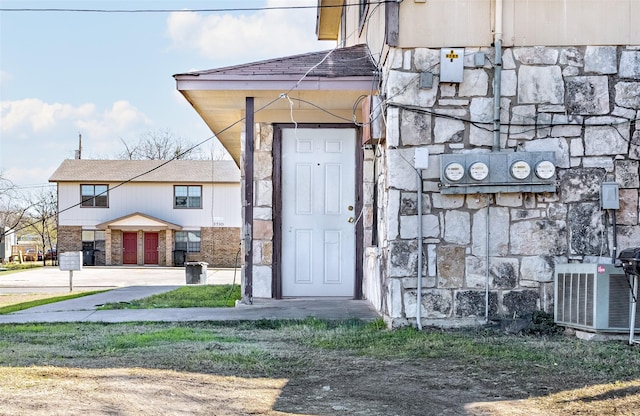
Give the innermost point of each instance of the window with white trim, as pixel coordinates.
(188, 241)
(187, 196)
(94, 196)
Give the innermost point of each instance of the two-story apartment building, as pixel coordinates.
(476, 138)
(149, 212)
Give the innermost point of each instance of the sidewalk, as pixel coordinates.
(84, 309)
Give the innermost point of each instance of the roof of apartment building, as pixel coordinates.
(81, 170)
(340, 62)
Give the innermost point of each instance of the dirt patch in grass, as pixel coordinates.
(133, 391)
(11, 299)
(308, 368)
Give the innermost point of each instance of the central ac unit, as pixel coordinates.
(593, 297)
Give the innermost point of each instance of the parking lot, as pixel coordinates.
(52, 279)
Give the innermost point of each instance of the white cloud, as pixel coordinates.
(32, 115)
(31, 175)
(248, 36)
(119, 119)
(52, 130)
(38, 116)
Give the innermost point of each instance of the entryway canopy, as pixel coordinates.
(138, 221)
(316, 87)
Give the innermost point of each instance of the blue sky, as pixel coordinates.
(108, 76)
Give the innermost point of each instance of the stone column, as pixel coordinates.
(107, 247)
(168, 247)
(140, 242)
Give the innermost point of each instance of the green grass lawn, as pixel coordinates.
(364, 363)
(207, 296)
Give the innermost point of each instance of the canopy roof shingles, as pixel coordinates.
(312, 87)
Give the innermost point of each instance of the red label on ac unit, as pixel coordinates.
(600, 269)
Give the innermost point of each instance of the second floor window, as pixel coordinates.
(187, 196)
(94, 196)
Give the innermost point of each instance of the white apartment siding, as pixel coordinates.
(460, 23)
(155, 200)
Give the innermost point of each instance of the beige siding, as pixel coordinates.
(459, 23)
(446, 23)
(571, 22)
(372, 33)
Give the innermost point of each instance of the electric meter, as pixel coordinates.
(454, 171)
(520, 169)
(478, 171)
(545, 170)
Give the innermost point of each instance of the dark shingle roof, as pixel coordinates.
(80, 170)
(341, 62)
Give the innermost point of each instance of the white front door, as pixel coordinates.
(318, 198)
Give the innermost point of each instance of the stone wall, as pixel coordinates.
(581, 102)
(263, 211)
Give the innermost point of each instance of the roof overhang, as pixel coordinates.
(138, 221)
(328, 19)
(220, 99)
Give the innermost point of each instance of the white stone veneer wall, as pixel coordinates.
(581, 102)
(263, 211)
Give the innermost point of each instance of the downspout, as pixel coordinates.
(486, 277)
(615, 235)
(497, 79)
(497, 92)
(419, 288)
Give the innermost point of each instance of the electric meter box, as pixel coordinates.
(451, 64)
(495, 172)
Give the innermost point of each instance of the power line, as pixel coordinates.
(207, 10)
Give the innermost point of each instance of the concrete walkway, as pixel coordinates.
(136, 283)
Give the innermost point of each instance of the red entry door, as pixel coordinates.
(130, 248)
(150, 248)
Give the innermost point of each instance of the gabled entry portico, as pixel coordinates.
(138, 239)
(247, 107)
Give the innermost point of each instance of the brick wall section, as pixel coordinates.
(69, 239)
(162, 252)
(116, 247)
(218, 246)
(99, 255)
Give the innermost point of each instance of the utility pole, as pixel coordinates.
(79, 151)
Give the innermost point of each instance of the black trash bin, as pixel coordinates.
(88, 257)
(179, 257)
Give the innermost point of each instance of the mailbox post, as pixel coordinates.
(70, 260)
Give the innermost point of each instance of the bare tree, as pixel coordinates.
(12, 206)
(160, 145)
(43, 218)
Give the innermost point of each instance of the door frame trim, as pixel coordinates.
(276, 279)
